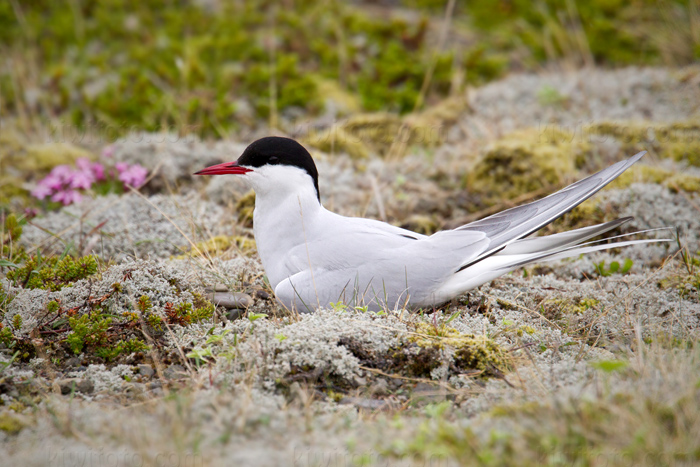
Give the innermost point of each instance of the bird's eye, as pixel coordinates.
(273, 160)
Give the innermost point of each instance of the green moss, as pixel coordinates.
(6, 336)
(558, 309)
(93, 331)
(217, 245)
(189, 313)
(10, 424)
(52, 273)
(122, 347)
(471, 352)
(88, 329)
(527, 161)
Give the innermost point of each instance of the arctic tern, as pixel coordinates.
(314, 257)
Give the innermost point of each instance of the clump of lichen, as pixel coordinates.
(527, 161)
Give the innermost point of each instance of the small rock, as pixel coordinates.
(380, 387)
(428, 392)
(360, 381)
(262, 295)
(424, 387)
(68, 385)
(219, 287)
(174, 371)
(73, 362)
(146, 371)
(396, 383)
(231, 300)
(154, 385)
(134, 388)
(86, 386)
(367, 404)
(233, 315)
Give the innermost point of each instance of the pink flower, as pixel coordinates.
(83, 163)
(98, 171)
(61, 172)
(81, 179)
(67, 197)
(51, 182)
(108, 151)
(134, 175)
(41, 191)
(121, 167)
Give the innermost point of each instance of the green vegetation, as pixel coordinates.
(618, 32)
(95, 328)
(614, 268)
(152, 64)
(52, 273)
(110, 66)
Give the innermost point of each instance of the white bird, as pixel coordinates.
(314, 257)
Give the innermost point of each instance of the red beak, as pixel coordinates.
(225, 168)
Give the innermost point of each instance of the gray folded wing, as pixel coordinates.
(518, 222)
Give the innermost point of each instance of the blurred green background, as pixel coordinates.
(213, 67)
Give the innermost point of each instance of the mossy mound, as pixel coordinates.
(527, 161)
(382, 133)
(471, 353)
(667, 178)
(360, 136)
(679, 141)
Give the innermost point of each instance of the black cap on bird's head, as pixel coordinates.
(270, 150)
